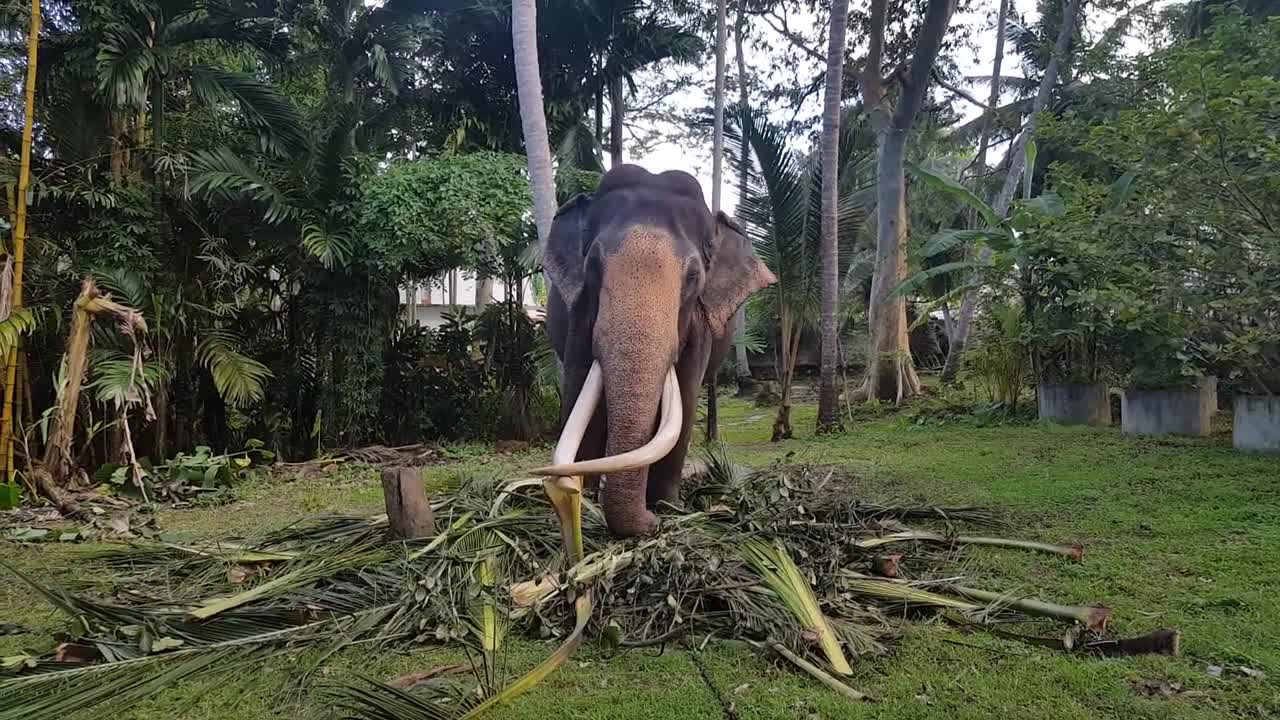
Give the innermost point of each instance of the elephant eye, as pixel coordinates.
(692, 275)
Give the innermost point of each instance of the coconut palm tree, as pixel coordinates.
(524, 40)
(717, 170)
(781, 210)
(828, 394)
(1068, 21)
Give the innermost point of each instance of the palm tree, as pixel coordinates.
(742, 364)
(717, 168)
(143, 47)
(828, 394)
(630, 37)
(955, 338)
(781, 211)
(524, 39)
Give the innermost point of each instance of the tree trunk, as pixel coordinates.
(969, 304)
(524, 36)
(484, 291)
(742, 364)
(408, 507)
(618, 105)
(890, 372)
(599, 98)
(717, 176)
(829, 418)
(162, 421)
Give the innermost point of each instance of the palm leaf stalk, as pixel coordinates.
(1073, 552)
(1093, 617)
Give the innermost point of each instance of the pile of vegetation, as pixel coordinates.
(784, 559)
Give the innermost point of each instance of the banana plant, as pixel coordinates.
(1003, 234)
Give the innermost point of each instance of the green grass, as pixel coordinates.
(1178, 533)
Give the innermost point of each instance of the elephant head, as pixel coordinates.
(644, 281)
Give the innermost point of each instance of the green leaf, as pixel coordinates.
(1048, 204)
(1122, 189)
(945, 240)
(922, 278)
(10, 495)
(237, 377)
(945, 184)
(331, 248)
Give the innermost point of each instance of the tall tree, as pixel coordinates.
(524, 40)
(1017, 157)
(955, 343)
(717, 175)
(890, 372)
(828, 392)
(742, 364)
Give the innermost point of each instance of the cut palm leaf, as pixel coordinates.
(779, 572)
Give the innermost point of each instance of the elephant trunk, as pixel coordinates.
(633, 385)
(665, 438)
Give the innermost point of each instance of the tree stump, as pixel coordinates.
(408, 508)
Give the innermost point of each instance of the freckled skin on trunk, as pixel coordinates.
(636, 340)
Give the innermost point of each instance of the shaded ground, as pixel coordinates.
(1180, 533)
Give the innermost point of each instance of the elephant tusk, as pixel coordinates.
(657, 448)
(575, 427)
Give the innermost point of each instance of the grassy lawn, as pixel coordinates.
(1178, 533)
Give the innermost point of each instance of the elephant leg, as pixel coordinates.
(664, 475)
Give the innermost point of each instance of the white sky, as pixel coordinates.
(670, 156)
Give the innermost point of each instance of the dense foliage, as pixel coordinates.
(260, 180)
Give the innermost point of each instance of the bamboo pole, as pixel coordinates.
(20, 237)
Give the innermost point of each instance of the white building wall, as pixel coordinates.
(431, 301)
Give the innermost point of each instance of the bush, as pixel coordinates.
(474, 377)
(999, 362)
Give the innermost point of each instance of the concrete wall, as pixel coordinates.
(1257, 423)
(1170, 412)
(1074, 403)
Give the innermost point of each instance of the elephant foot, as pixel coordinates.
(632, 523)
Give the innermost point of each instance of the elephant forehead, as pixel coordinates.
(645, 264)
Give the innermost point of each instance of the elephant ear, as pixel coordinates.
(734, 273)
(563, 258)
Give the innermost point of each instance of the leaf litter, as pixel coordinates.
(771, 558)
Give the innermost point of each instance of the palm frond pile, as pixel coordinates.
(772, 557)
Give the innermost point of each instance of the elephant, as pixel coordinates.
(643, 282)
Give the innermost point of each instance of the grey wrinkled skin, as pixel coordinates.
(642, 276)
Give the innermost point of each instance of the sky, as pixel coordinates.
(671, 156)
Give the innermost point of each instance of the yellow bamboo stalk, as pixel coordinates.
(20, 235)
